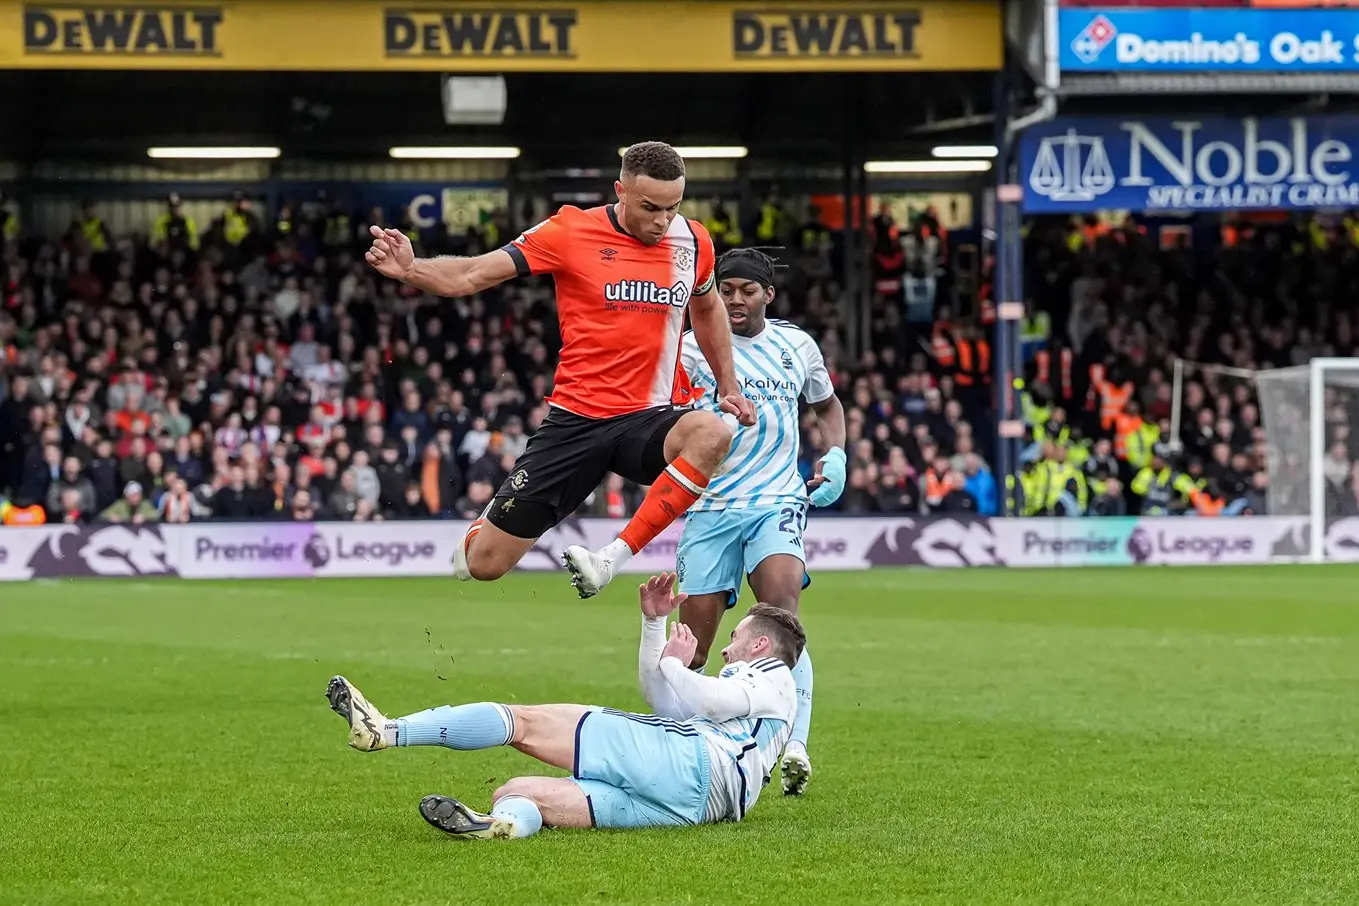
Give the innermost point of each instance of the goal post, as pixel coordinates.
(1305, 410)
(1185, 367)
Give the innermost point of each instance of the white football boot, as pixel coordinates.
(797, 769)
(590, 570)
(366, 723)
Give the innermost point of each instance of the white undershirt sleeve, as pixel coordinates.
(655, 688)
(706, 696)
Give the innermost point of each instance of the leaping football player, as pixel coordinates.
(625, 273)
(703, 756)
(750, 520)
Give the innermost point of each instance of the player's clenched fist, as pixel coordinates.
(391, 253)
(739, 405)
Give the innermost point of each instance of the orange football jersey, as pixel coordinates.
(621, 305)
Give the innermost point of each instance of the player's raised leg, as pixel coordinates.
(778, 579)
(693, 449)
(545, 732)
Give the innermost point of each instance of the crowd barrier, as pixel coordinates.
(235, 550)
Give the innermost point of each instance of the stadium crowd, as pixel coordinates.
(263, 372)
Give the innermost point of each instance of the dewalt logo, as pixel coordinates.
(792, 34)
(122, 30)
(481, 33)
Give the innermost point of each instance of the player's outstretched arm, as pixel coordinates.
(712, 331)
(657, 605)
(392, 255)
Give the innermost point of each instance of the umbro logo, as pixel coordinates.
(607, 254)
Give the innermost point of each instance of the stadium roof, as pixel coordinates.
(556, 119)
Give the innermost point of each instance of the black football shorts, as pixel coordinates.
(568, 457)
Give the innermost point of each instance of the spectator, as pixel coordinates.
(513, 440)
(133, 465)
(183, 462)
(411, 415)
(344, 500)
(69, 509)
(177, 504)
(478, 495)
(956, 499)
(411, 505)
(1106, 497)
(475, 442)
(71, 479)
(366, 483)
(441, 474)
(303, 509)
(236, 500)
(980, 485)
(394, 479)
(131, 508)
(103, 474)
(366, 511)
(41, 472)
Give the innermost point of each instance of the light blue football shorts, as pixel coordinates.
(640, 770)
(719, 548)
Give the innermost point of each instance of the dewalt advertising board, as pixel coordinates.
(601, 36)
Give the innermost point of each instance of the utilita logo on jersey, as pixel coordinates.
(641, 293)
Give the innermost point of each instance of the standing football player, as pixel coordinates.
(625, 274)
(750, 520)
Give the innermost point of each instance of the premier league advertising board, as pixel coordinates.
(1116, 39)
(1082, 164)
(341, 550)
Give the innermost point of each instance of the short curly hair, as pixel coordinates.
(783, 629)
(656, 160)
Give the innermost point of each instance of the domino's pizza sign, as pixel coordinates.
(1084, 164)
(1215, 40)
(1091, 41)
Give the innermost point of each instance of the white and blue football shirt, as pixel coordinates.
(775, 367)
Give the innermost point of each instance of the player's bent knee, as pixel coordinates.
(560, 801)
(485, 563)
(526, 787)
(714, 436)
(707, 434)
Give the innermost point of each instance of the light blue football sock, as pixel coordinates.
(802, 676)
(483, 725)
(520, 812)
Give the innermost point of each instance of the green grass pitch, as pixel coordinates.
(1101, 736)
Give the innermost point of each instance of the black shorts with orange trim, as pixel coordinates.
(568, 457)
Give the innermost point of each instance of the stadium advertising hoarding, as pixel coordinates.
(1189, 38)
(599, 36)
(347, 550)
(1083, 164)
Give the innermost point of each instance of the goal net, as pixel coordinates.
(1312, 451)
(1306, 439)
